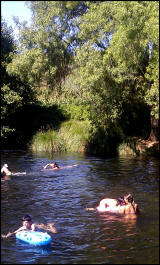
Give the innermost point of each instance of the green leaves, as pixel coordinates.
(126, 62)
(98, 53)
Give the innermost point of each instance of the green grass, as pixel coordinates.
(70, 137)
(125, 150)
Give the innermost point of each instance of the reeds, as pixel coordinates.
(70, 137)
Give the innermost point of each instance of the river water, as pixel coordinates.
(61, 197)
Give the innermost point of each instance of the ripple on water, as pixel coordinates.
(61, 197)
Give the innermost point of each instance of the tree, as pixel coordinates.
(14, 93)
(107, 48)
(9, 98)
(118, 60)
(46, 50)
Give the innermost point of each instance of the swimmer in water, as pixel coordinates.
(52, 166)
(28, 225)
(130, 206)
(5, 171)
(125, 205)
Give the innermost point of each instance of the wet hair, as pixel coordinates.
(55, 165)
(129, 198)
(27, 218)
(120, 201)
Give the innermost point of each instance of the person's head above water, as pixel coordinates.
(27, 218)
(5, 171)
(55, 165)
(27, 221)
(128, 198)
(120, 201)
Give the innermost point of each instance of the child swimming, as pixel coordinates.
(28, 225)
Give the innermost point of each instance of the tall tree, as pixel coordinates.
(47, 45)
(14, 93)
(7, 46)
(9, 97)
(118, 60)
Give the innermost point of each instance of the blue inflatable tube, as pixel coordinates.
(34, 237)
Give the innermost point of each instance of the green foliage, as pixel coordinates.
(14, 92)
(118, 58)
(49, 141)
(77, 112)
(28, 66)
(104, 141)
(97, 60)
(152, 73)
(29, 119)
(5, 132)
(7, 42)
(72, 136)
(10, 98)
(46, 45)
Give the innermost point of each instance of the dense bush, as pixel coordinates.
(71, 136)
(73, 111)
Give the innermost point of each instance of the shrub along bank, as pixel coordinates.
(67, 128)
(71, 136)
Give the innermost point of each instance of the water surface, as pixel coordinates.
(61, 197)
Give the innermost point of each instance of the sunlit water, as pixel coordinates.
(61, 197)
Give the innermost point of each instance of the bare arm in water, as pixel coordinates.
(45, 167)
(48, 227)
(90, 209)
(22, 228)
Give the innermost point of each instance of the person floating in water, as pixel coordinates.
(28, 225)
(51, 166)
(5, 171)
(125, 205)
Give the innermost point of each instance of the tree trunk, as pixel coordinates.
(154, 134)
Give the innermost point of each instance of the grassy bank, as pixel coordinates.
(135, 146)
(72, 136)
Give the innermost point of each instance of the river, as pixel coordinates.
(61, 196)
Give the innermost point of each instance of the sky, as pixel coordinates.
(15, 8)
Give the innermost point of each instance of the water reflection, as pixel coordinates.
(25, 248)
(5, 178)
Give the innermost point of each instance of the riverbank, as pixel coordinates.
(74, 136)
(71, 136)
(139, 147)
